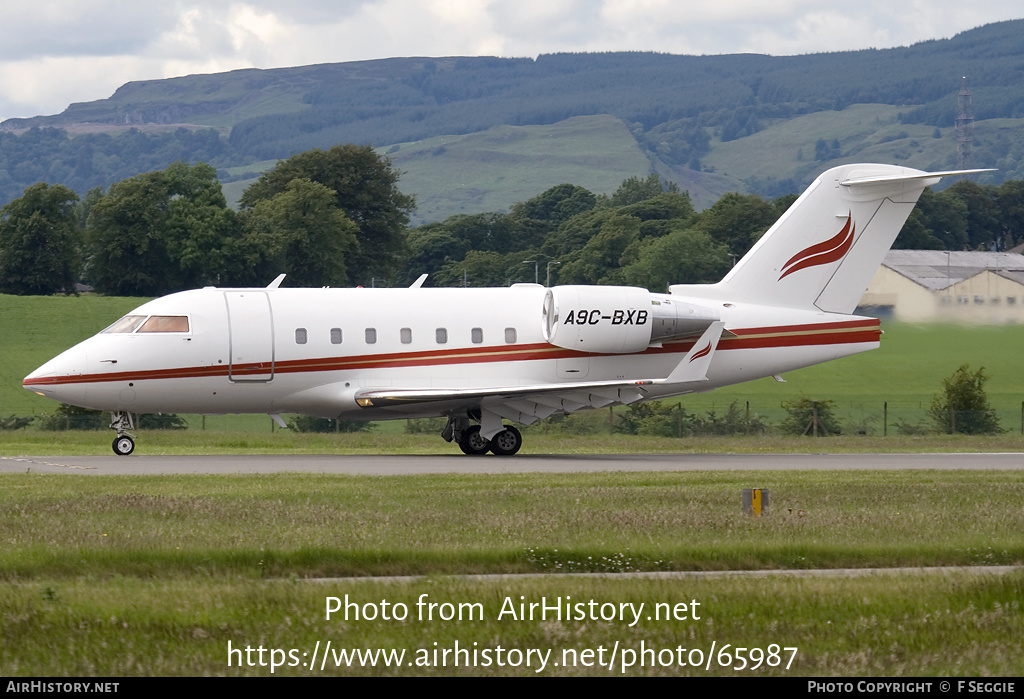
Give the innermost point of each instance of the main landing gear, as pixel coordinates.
(124, 442)
(505, 443)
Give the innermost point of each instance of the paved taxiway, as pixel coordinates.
(383, 465)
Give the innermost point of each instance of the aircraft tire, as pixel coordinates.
(472, 443)
(123, 445)
(507, 442)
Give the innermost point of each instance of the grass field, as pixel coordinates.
(125, 576)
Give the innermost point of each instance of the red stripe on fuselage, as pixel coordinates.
(845, 332)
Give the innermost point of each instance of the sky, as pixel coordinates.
(56, 52)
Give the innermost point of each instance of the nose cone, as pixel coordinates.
(41, 381)
(59, 378)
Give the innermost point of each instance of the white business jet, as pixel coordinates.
(483, 356)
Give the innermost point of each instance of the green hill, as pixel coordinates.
(711, 123)
(494, 169)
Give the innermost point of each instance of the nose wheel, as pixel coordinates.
(124, 445)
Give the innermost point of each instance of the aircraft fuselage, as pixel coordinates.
(312, 351)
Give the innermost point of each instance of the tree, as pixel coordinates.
(556, 205)
(365, 190)
(162, 231)
(914, 236)
(682, 257)
(303, 234)
(674, 207)
(200, 229)
(128, 253)
(983, 225)
(635, 189)
(485, 268)
(806, 416)
(600, 259)
(963, 407)
(493, 232)
(1011, 211)
(738, 220)
(945, 217)
(430, 247)
(40, 241)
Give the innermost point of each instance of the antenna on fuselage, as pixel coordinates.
(277, 282)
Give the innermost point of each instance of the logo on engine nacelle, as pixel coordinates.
(618, 317)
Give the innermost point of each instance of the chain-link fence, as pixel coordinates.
(874, 417)
(667, 418)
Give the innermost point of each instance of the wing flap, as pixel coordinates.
(396, 396)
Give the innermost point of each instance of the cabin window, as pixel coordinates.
(371, 336)
(405, 334)
(125, 325)
(300, 336)
(510, 336)
(165, 324)
(979, 299)
(335, 336)
(441, 335)
(961, 299)
(1010, 300)
(477, 335)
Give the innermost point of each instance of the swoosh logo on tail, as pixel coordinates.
(822, 253)
(701, 352)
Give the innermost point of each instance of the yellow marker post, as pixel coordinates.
(755, 501)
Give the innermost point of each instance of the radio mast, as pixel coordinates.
(964, 127)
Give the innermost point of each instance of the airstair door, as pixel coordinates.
(251, 329)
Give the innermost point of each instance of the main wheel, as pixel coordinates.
(123, 445)
(507, 442)
(472, 443)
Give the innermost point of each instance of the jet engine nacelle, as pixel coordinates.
(618, 319)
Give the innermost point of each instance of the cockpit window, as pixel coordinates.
(165, 324)
(125, 325)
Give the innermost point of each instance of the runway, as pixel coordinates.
(391, 465)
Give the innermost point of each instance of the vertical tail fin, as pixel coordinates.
(824, 250)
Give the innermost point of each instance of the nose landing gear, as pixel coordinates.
(124, 442)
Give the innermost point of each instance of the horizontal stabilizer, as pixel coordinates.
(889, 179)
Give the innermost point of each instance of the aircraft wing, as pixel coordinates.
(522, 404)
(528, 403)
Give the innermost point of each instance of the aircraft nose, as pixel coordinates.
(57, 378)
(41, 382)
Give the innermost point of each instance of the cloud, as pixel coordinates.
(69, 28)
(59, 51)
